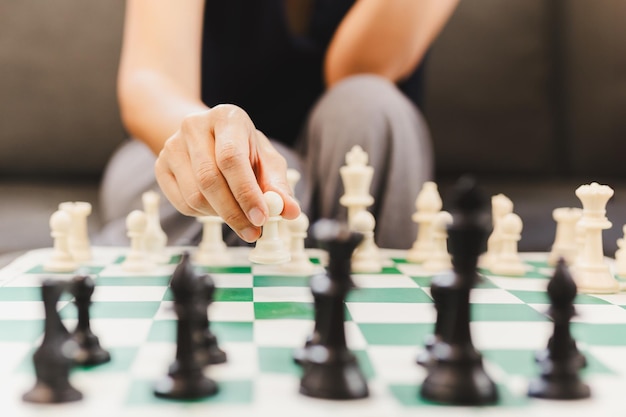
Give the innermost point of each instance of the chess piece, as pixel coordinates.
(455, 370)
(78, 239)
(90, 352)
(330, 370)
(300, 263)
(427, 205)
(565, 237)
(54, 358)
(293, 176)
(439, 259)
(209, 349)
(356, 176)
(501, 205)
(562, 361)
(508, 261)
(61, 259)
(270, 248)
(591, 272)
(136, 259)
(620, 255)
(212, 249)
(366, 257)
(154, 238)
(186, 379)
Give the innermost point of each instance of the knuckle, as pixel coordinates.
(207, 177)
(228, 111)
(230, 157)
(191, 121)
(234, 219)
(195, 200)
(170, 147)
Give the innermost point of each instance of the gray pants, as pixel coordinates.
(363, 110)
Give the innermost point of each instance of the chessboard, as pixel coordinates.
(261, 314)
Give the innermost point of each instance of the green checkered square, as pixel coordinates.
(505, 312)
(283, 310)
(388, 295)
(396, 334)
(115, 310)
(280, 281)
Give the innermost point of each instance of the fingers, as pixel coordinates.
(235, 156)
(271, 170)
(176, 179)
(218, 163)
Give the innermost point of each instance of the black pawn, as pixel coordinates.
(90, 352)
(209, 350)
(186, 379)
(53, 360)
(560, 365)
(455, 370)
(330, 370)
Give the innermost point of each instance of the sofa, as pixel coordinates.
(529, 96)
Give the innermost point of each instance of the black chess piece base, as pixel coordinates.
(332, 375)
(44, 394)
(558, 390)
(184, 388)
(90, 352)
(559, 381)
(459, 380)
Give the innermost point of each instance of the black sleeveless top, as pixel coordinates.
(251, 58)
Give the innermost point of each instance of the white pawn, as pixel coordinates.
(212, 249)
(366, 257)
(136, 259)
(270, 248)
(565, 245)
(427, 205)
(78, 236)
(154, 238)
(356, 176)
(300, 262)
(501, 205)
(439, 259)
(508, 261)
(61, 259)
(620, 255)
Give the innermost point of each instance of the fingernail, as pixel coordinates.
(256, 216)
(249, 234)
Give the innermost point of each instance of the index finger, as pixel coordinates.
(234, 135)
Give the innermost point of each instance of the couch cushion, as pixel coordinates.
(59, 63)
(27, 206)
(488, 99)
(595, 79)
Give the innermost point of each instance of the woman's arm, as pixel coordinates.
(210, 161)
(385, 37)
(159, 76)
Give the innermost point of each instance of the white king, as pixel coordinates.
(357, 178)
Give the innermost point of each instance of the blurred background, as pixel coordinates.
(528, 95)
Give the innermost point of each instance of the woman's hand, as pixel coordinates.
(218, 163)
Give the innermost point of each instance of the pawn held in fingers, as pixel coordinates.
(271, 172)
